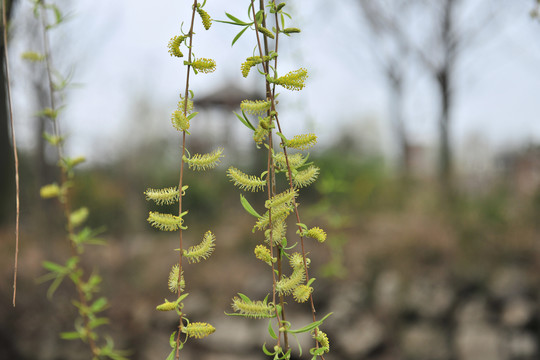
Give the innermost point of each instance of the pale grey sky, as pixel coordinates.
(120, 52)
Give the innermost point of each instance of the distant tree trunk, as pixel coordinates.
(443, 76)
(395, 80)
(445, 147)
(7, 181)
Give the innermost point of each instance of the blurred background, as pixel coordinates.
(427, 114)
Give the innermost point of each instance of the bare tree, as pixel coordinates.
(391, 52)
(438, 34)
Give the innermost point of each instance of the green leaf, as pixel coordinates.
(171, 355)
(99, 305)
(172, 340)
(98, 322)
(245, 121)
(309, 327)
(283, 138)
(55, 284)
(245, 298)
(192, 115)
(239, 35)
(247, 206)
(259, 16)
(303, 226)
(237, 21)
(266, 350)
(271, 330)
(317, 352)
(181, 298)
(71, 335)
(54, 267)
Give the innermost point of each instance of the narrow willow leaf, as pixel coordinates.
(311, 326)
(71, 335)
(49, 265)
(172, 340)
(94, 323)
(247, 206)
(237, 21)
(244, 120)
(265, 350)
(239, 35)
(271, 330)
(99, 305)
(245, 298)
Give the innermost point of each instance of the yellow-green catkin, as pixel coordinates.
(255, 60)
(302, 142)
(279, 230)
(294, 80)
(165, 222)
(255, 309)
(204, 65)
(174, 284)
(317, 233)
(322, 339)
(203, 250)
(179, 120)
(266, 32)
(78, 217)
(263, 253)
(244, 181)
(174, 46)
(305, 177)
(295, 160)
(206, 19)
(32, 56)
(286, 197)
(255, 107)
(205, 161)
(181, 105)
(198, 330)
(49, 191)
(291, 30)
(166, 196)
(301, 293)
(167, 306)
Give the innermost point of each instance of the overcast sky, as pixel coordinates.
(119, 49)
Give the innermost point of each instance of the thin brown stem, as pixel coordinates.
(271, 174)
(65, 199)
(15, 154)
(291, 186)
(181, 180)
